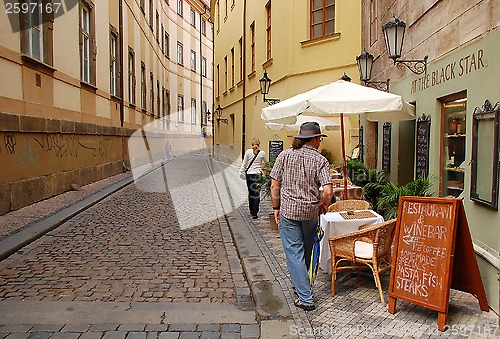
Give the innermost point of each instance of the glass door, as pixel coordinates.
(453, 153)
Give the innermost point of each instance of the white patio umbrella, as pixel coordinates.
(339, 98)
(325, 124)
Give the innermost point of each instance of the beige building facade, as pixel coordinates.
(461, 39)
(78, 80)
(300, 44)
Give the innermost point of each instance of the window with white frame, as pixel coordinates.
(131, 76)
(193, 60)
(192, 17)
(268, 30)
(36, 31)
(158, 99)
(143, 86)
(179, 7)
(180, 108)
(204, 112)
(114, 62)
(152, 93)
(167, 45)
(86, 44)
(203, 27)
(180, 53)
(193, 110)
(204, 67)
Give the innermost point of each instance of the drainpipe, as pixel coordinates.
(122, 78)
(201, 73)
(243, 114)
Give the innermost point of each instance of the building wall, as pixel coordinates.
(452, 34)
(58, 130)
(297, 64)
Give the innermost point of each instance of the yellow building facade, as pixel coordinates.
(78, 80)
(298, 53)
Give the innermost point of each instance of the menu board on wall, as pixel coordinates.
(386, 147)
(422, 146)
(275, 148)
(423, 267)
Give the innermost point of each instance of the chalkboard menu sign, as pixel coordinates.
(275, 148)
(386, 147)
(425, 264)
(422, 146)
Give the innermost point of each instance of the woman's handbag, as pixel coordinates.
(243, 175)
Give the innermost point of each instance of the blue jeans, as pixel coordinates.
(296, 237)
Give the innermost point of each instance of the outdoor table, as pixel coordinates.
(338, 223)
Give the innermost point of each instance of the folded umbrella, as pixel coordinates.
(313, 267)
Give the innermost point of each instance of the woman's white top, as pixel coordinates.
(256, 167)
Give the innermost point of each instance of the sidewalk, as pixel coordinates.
(354, 312)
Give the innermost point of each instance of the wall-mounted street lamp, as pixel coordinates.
(365, 62)
(265, 84)
(218, 111)
(394, 32)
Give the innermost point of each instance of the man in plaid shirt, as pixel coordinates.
(297, 175)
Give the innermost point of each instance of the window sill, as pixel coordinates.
(115, 98)
(239, 83)
(37, 64)
(231, 89)
(268, 63)
(88, 87)
(251, 75)
(317, 41)
(225, 93)
(131, 104)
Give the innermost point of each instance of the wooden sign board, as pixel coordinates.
(424, 251)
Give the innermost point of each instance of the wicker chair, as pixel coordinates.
(344, 205)
(370, 246)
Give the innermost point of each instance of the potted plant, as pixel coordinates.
(265, 188)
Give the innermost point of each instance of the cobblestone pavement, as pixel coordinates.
(125, 269)
(129, 252)
(356, 311)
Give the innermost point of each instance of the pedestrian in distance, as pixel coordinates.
(168, 148)
(296, 178)
(251, 170)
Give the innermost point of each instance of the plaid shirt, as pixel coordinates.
(301, 173)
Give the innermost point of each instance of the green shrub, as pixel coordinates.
(327, 154)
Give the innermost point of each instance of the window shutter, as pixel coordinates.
(48, 36)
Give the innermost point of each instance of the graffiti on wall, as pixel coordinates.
(59, 145)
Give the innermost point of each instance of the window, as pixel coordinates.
(36, 33)
(241, 58)
(322, 18)
(143, 85)
(373, 22)
(142, 5)
(268, 30)
(204, 27)
(131, 76)
(157, 27)
(158, 99)
(454, 143)
(232, 67)
(152, 93)
(192, 18)
(179, 53)
(179, 7)
(114, 60)
(225, 9)
(485, 143)
(204, 67)
(193, 111)
(204, 112)
(218, 81)
(180, 108)
(252, 45)
(167, 45)
(87, 43)
(166, 108)
(151, 14)
(193, 60)
(162, 40)
(225, 73)
(218, 16)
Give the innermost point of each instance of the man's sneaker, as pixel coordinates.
(299, 304)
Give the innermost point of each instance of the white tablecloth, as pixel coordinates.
(334, 224)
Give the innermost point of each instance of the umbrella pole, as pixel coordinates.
(343, 154)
